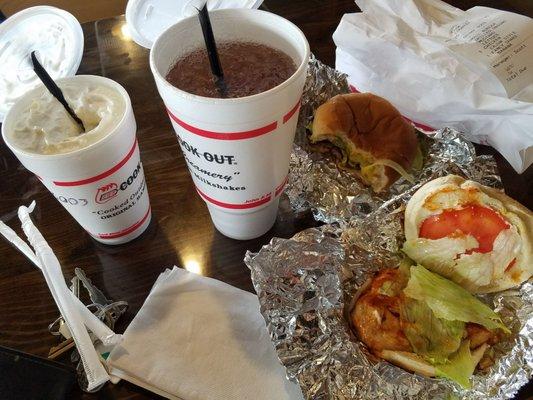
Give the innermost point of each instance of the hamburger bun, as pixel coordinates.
(367, 129)
(414, 363)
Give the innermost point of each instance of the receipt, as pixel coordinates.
(500, 40)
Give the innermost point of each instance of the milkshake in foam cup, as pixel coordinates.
(237, 149)
(97, 175)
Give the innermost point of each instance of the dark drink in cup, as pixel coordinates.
(249, 68)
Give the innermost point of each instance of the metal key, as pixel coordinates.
(95, 294)
(111, 310)
(61, 348)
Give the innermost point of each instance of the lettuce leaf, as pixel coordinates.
(460, 366)
(448, 257)
(439, 255)
(448, 300)
(480, 269)
(433, 338)
(405, 268)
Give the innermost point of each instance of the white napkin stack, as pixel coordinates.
(199, 338)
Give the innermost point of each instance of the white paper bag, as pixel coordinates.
(441, 66)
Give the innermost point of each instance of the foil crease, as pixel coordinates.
(305, 284)
(335, 195)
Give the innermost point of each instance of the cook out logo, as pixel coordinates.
(106, 193)
(110, 190)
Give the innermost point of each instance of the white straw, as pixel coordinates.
(97, 327)
(20, 244)
(95, 371)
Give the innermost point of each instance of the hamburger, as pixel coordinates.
(425, 323)
(472, 234)
(371, 136)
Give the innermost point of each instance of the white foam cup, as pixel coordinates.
(237, 149)
(102, 185)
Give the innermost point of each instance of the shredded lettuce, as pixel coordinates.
(472, 271)
(440, 255)
(405, 267)
(460, 366)
(433, 338)
(392, 164)
(450, 301)
(479, 269)
(448, 257)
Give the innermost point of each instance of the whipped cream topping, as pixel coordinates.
(44, 126)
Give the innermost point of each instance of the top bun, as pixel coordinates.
(367, 128)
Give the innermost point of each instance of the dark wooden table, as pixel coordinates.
(181, 232)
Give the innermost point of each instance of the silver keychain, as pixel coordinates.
(109, 310)
(95, 294)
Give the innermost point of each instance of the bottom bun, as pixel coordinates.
(414, 363)
(409, 361)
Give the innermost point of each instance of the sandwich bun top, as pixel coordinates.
(370, 129)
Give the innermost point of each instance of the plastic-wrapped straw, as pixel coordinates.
(97, 327)
(94, 370)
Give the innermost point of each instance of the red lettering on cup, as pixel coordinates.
(106, 193)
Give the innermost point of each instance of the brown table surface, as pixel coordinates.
(181, 231)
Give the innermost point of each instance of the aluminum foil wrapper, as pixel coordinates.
(305, 284)
(333, 194)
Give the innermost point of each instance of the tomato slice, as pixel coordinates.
(481, 222)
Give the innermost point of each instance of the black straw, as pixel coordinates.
(54, 89)
(211, 47)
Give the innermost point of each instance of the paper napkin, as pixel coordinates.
(199, 338)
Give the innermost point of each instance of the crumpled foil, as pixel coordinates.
(334, 195)
(305, 284)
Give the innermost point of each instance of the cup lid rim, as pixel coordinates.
(71, 26)
(147, 19)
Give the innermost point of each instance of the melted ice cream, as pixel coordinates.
(44, 127)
